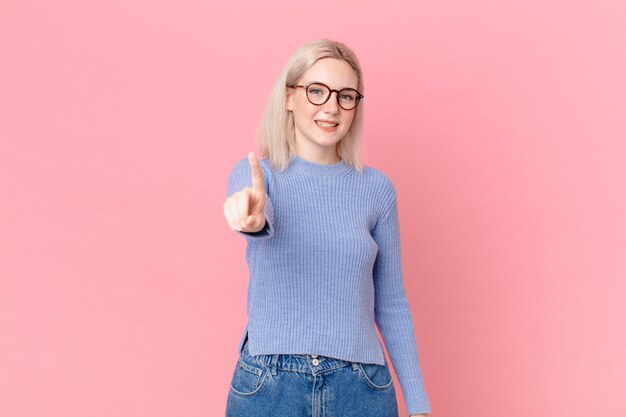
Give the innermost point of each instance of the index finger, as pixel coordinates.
(258, 183)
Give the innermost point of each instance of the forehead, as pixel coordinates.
(333, 72)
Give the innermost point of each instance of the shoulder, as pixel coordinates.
(375, 174)
(379, 181)
(383, 193)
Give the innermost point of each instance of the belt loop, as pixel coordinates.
(274, 362)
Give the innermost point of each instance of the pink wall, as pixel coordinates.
(501, 124)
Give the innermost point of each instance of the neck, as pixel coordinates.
(319, 158)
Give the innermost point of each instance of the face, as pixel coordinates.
(310, 136)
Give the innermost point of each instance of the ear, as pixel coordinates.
(289, 99)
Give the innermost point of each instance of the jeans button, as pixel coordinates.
(314, 356)
(315, 362)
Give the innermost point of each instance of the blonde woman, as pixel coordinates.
(323, 251)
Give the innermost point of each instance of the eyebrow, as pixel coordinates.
(319, 82)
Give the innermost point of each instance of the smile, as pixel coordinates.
(323, 124)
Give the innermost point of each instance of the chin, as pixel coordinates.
(336, 137)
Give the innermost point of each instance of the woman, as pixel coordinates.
(323, 250)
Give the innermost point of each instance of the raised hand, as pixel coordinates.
(244, 209)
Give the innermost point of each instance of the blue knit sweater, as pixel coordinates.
(326, 269)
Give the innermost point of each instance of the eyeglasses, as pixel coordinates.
(318, 94)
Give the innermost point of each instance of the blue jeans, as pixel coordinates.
(309, 386)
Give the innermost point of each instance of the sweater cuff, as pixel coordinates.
(417, 405)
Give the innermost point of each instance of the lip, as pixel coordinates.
(327, 121)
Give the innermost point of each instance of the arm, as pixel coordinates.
(392, 312)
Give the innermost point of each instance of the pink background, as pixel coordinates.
(501, 124)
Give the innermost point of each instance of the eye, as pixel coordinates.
(315, 91)
(347, 97)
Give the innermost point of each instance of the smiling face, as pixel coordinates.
(315, 142)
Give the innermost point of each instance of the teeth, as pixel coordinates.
(326, 124)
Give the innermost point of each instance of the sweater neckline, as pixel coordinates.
(321, 170)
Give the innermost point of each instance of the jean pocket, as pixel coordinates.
(248, 378)
(376, 376)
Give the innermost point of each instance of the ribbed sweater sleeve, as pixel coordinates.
(241, 177)
(392, 312)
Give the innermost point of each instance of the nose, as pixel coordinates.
(332, 106)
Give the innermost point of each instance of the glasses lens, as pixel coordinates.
(348, 98)
(317, 93)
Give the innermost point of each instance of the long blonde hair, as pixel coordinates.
(276, 133)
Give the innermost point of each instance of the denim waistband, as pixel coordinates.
(298, 362)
